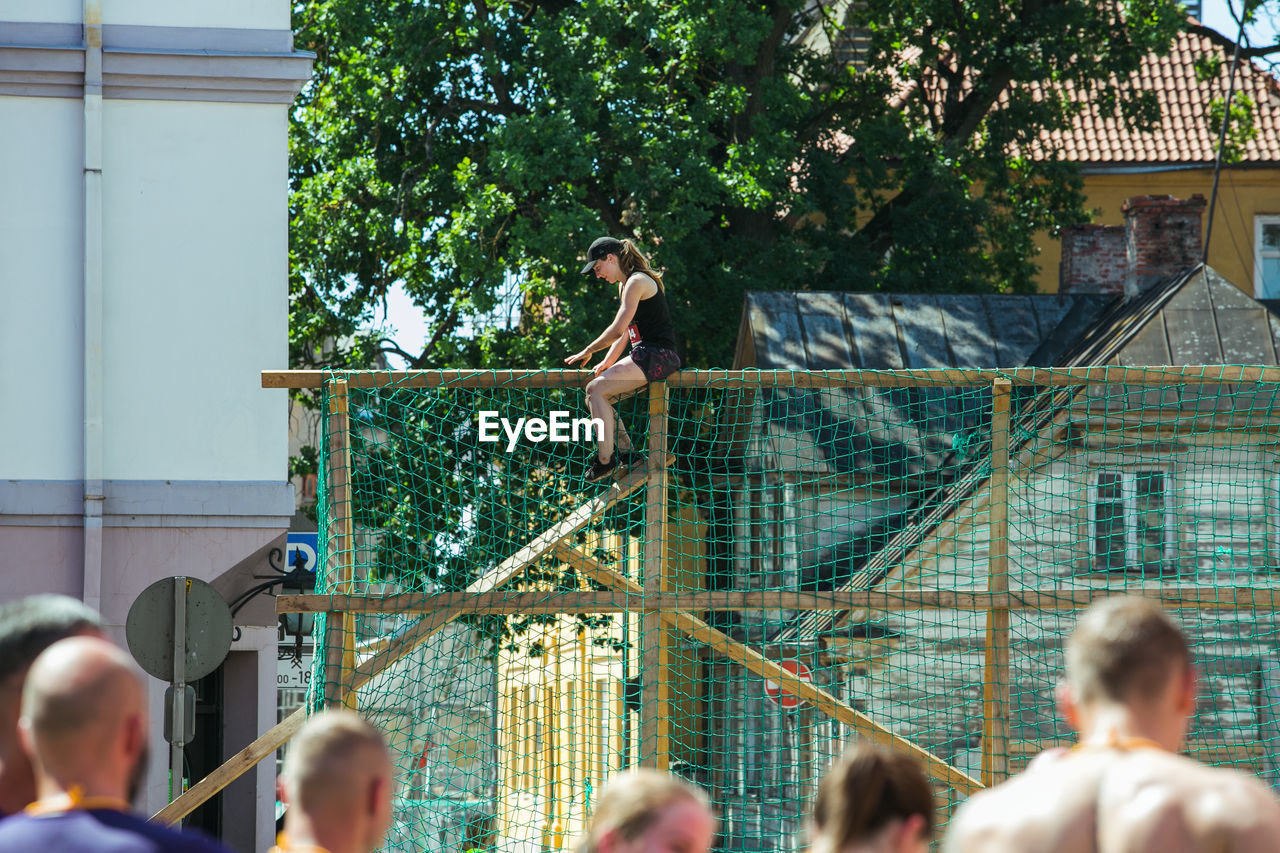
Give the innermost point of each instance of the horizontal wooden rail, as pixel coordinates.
(946, 377)
(1194, 746)
(535, 603)
(429, 378)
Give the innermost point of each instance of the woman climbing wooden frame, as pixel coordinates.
(644, 320)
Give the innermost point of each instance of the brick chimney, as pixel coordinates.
(1160, 237)
(1094, 259)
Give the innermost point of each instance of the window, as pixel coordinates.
(1131, 524)
(1266, 257)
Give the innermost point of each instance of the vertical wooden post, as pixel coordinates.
(655, 671)
(340, 636)
(996, 682)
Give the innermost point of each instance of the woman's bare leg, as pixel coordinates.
(623, 378)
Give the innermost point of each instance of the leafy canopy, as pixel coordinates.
(471, 150)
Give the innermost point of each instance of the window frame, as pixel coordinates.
(1260, 220)
(1129, 474)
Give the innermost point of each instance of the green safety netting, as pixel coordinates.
(787, 496)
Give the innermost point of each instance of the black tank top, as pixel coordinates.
(652, 323)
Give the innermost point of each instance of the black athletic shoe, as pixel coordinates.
(599, 470)
(629, 458)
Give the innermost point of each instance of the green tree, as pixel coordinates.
(470, 149)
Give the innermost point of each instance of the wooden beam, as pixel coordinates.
(996, 681)
(655, 668)
(233, 768)
(964, 377)
(1217, 750)
(752, 660)
(614, 601)
(944, 377)
(340, 629)
(429, 378)
(1174, 421)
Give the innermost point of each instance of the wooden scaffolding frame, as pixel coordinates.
(666, 614)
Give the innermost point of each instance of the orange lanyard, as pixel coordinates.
(1125, 744)
(74, 800)
(283, 846)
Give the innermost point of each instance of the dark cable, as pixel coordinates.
(1222, 132)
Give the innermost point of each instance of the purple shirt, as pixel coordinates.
(97, 831)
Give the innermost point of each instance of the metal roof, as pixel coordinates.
(1195, 317)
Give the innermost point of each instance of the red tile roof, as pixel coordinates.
(1184, 134)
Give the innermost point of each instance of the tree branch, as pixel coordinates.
(488, 107)
(499, 83)
(445, 327)
(387, 345)
(596, 199)
(1227, 45)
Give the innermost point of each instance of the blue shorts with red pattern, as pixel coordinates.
(657, 363)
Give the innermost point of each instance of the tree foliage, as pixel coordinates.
(471, 149)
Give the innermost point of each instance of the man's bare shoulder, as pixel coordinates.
(1032, 811)
(1235, 806)
(1146, 798)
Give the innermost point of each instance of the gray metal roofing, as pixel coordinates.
(1205, 320)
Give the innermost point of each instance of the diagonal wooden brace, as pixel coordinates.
(752, 660)
(232, 769)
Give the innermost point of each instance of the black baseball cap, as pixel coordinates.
(601, 248)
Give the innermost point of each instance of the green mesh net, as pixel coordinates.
(797, 560)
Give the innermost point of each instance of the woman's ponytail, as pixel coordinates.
(632, 261)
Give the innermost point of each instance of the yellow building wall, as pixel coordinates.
(562, 721)
(1243, 193)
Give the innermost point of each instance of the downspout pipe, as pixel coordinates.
(93, 384)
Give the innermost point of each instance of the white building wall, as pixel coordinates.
(41, 263)
(195, 237)
(195, 100)
(238, 14)
(42, 11)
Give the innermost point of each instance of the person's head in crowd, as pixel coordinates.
(337, 782)
(28, 626)
(1128, 658)
(873, 800)
(84, 720)
(648, 811)
(84, 726)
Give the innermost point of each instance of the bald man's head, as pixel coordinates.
(83, 712)
(337, 773)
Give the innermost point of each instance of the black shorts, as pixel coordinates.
(657, 363)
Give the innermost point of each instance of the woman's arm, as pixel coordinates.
(612, 356)
(636, 288)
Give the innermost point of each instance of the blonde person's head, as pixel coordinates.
(632, 261)
(873, 799)
(337, 782)
(649, 810)
(1125, 649)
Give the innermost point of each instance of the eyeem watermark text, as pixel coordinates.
(559, 427)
